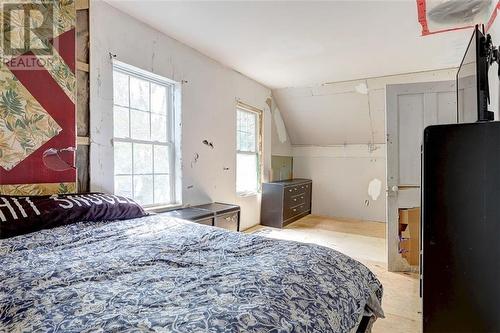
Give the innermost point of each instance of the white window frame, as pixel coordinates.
(258, 149)
(172, 135)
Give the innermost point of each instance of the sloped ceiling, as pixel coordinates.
(298, 43)
(333, 114)
(291, 45)
(350, 112)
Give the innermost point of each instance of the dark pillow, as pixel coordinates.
(24, 214)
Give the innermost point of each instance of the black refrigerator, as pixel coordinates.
(461, 228)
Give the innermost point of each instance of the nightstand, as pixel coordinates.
(200, 216)
(226, 216)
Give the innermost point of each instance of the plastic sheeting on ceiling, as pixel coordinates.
(437, 16)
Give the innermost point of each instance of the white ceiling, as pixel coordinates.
(291, 44)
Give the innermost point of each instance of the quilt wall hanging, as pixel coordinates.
(37, 97)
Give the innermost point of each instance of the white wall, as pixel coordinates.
(209, 97)
(332, 128)
(340, 176)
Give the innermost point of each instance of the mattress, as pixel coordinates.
(163, 274)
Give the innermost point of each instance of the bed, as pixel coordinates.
(162, 274)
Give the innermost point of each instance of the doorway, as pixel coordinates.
(409, 109)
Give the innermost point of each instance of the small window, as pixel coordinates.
(248, 151)
(143, 136)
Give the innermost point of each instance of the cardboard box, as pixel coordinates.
(409, 233)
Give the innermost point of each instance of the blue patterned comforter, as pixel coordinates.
(167, 275)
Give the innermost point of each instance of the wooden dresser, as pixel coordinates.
(285, 201)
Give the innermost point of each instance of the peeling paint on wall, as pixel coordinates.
(362, 88)
(280, 126)
(196, 156)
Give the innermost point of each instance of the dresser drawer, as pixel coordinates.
(296, 199)
(291, 193)
(290, 212)
(295, 194)
(305, 187)
(227, 221)
(292, 190)
(225, 215)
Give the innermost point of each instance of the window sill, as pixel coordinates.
(162, 208)
(247, 194)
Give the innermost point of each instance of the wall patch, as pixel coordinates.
(374, 188)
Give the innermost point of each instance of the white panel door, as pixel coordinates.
(410, 108)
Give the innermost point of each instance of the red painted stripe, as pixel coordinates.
(55, 101)
(493, 16)
(451, 29)
(66, 47)
(422, 16)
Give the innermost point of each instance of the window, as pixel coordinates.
(248, 150)
(143, 136)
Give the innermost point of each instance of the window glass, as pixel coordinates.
(143, 149)
(247, 152)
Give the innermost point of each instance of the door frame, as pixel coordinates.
(395, 262)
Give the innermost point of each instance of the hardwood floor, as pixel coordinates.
(365, 242)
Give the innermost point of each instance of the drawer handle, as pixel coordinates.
(290, 190)
(302, 187)
(302, 197)
(295, 199)
(295, 209)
